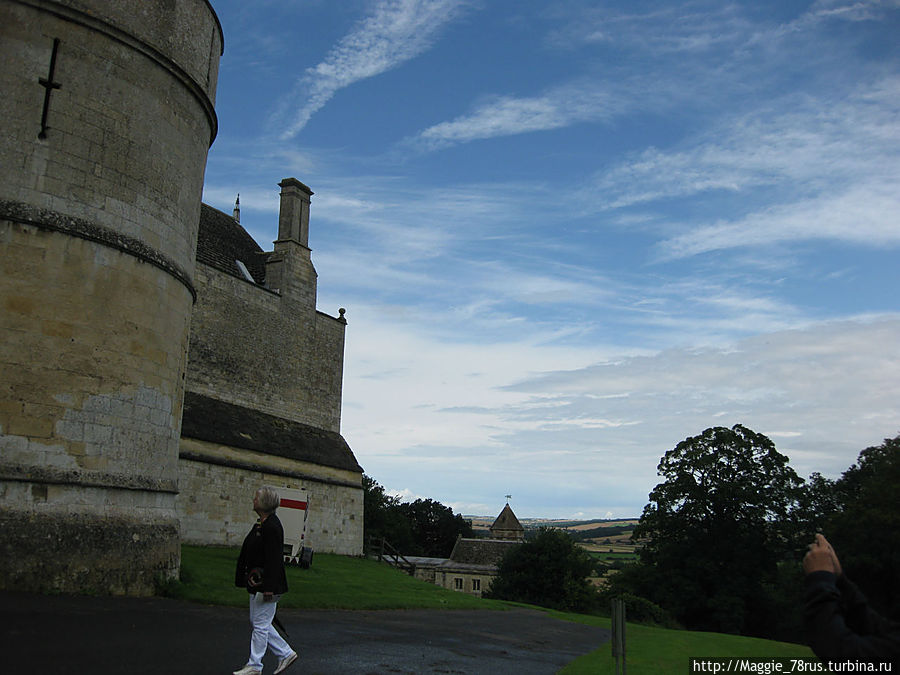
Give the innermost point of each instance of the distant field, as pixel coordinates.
(604, 553)
(485, 522)
(594, 524)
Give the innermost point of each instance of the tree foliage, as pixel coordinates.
(382, 517)
(549, 571)
(434, 526)
(423, 527)
(715, 530)
(860, 514)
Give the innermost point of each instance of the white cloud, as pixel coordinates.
(554, 337)
(865, 215)
(808, 143)
(394, 32)
(509, 115)
(585, 423)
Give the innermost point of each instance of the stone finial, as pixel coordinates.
(237, 209)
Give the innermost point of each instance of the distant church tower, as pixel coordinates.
(507, 526)
(108, 114)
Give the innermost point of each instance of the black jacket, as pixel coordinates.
(264, 548)
(840, 626)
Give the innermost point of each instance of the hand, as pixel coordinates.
(268, 596)
(821, 558)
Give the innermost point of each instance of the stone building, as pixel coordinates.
(472, 564)
(263, 386)
(108, 114)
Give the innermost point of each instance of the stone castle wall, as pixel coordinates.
(98, 227)
(263, 350)
(216, 493)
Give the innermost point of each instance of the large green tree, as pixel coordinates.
(548, 571)
(860, 514)
(423, 527)
(382, 517)
(713, 533)
(435, 528)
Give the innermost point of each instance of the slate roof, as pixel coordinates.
(221, 240)
(507, 521)
(481, 551)
(214, 421)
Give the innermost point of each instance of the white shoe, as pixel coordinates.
(285, 662)
(248, 670)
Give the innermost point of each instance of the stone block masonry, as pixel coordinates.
(249, 346)
(264, 380)
(217, 483)
(100, 181)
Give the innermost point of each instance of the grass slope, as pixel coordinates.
(333, 582)
(650, 650)
(339, 582)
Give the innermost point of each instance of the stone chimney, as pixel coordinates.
(293, 217)
(289, 269)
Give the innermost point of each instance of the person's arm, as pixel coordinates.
(240, 569)
(833, 635)
(838, 621)
(273, 543)
(860, 616)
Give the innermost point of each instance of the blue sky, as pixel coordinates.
(569, 235)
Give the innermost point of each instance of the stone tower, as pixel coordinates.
(108, 114)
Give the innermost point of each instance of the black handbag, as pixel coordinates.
(255, 579)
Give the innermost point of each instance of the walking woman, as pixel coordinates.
(260, 569)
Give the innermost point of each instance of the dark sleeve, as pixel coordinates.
(240, 570)
(860, 617)
(840, 625)
(274, 580)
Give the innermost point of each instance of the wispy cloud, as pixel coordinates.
(509, 115)
(801, 168)
(810, 143)
(650, 81)
(822, 392)
(561, 327)
(700, 26)
(394, 32)
(686, 28)
(862, 215)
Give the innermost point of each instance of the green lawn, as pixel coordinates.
(332, 582)
(650, 651)
(339, 582)
(612, 556)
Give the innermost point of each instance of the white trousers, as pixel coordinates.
(264, 634)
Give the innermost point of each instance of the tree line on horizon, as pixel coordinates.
(721, 539)
(724, 533)
(423, 527)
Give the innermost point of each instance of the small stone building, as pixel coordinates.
(472, 564)
(263, 386)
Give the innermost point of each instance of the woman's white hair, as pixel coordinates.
(267, 499)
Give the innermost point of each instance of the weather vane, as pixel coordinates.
(508, 497)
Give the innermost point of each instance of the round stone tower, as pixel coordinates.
(107, 113)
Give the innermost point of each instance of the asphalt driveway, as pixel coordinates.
(76, 634)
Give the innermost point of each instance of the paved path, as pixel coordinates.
(76, 635)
